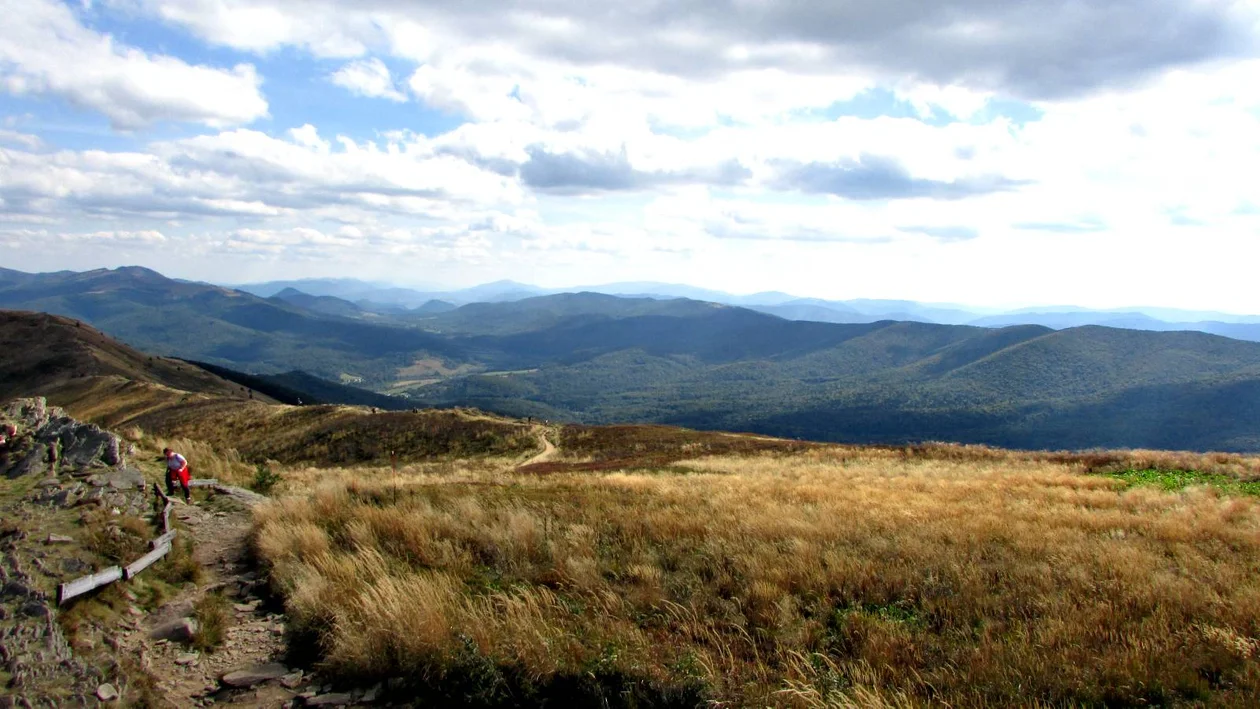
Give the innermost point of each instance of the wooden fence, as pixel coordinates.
(160, 547)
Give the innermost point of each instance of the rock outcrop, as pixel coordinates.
(52, 467)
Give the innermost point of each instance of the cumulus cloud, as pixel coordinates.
(45, 50)
(368, 77)
(875, 177)
(26, 140)
(572, 172)
(244, 173)
(1041, 49)
(46, 237)
(944, 233)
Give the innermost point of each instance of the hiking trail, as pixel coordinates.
(549, 450)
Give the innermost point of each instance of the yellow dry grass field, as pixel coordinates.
(804, 577)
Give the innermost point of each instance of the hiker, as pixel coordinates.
(177, 469)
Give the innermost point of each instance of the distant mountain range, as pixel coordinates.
(384, 299)
(601, 358)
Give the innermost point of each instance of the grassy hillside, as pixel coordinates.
(649, 566)
(40, 351)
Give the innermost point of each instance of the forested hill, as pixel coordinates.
(603, 359)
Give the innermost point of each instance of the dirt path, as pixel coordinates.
(219, 526)
(549, 450)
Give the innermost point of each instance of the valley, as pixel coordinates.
(457, 557)
(602, 359)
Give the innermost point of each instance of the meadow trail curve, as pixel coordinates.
(549, 450)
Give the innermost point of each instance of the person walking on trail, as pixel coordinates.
(177, 471)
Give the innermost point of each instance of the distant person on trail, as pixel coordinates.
(177, 470)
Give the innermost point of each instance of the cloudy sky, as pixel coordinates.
(976, 151)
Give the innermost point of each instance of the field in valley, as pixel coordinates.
(648, 566)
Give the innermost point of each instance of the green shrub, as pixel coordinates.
(265, 479)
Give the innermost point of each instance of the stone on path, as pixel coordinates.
(251, 676)
(59, 539)
(188, 659)
(106, 692)
(292, 680)
(179, 630)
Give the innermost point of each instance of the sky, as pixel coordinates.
(984, 152)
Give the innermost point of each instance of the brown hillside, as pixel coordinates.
(41, 352)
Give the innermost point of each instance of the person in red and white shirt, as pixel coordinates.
(177, 471)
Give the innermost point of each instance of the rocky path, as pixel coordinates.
(249, 668)
(255, 634)
(104, 649)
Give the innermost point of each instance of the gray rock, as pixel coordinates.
(292, 680)
(125, 479)
(372, 694)
(338, 699)
(188, 659)
(75, 566)
(178, 630)
(106, 692)
(257, 674)
(59, 539)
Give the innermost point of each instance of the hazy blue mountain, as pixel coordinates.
(327, 304)
(600, 358)
(435, 307)
(537, 313)
(797, 310)
(1129, 320)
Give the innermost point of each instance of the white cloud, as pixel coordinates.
(636, 139)
(26, 140)
(44, 50)
(368, 77)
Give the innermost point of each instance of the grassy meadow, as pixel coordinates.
(655, 567)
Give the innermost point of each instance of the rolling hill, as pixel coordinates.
(595, 358)
(41, 352)
(224, 327)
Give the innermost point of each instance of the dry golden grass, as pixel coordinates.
(826, 577)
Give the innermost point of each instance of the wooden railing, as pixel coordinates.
(160, 547)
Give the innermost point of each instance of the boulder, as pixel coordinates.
(178, 630)
(125, 479)
(106, 692)
(59, 539)
(250, 676)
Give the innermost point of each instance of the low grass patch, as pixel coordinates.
(1173, 480)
